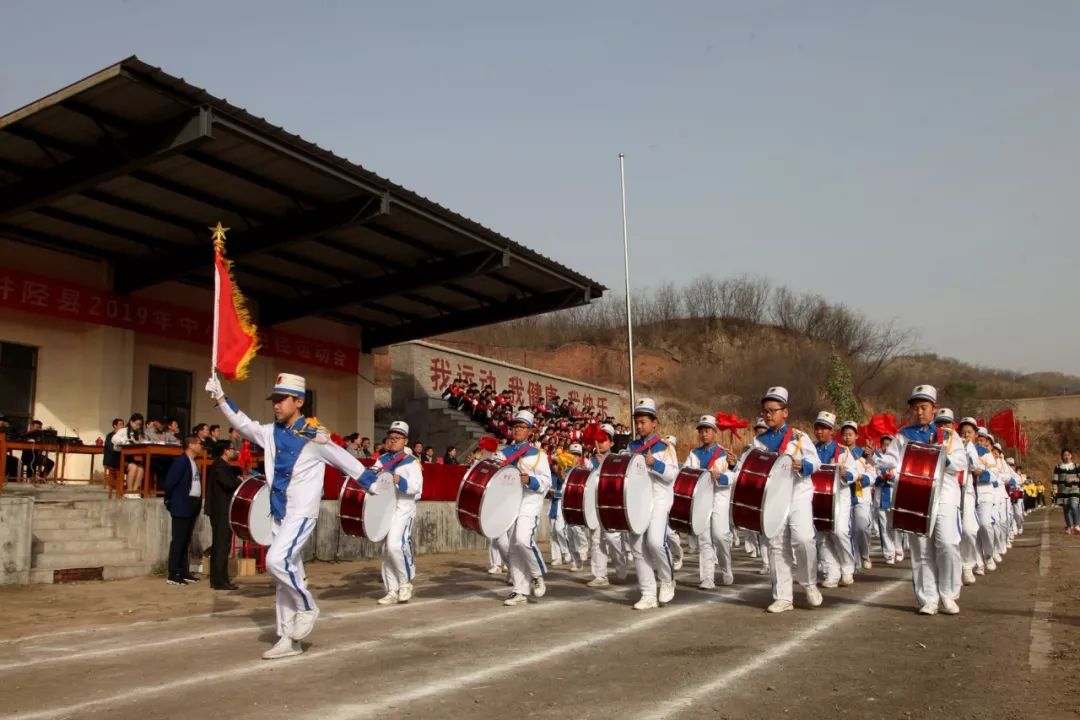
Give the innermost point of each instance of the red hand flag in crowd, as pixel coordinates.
(235, 337)
(1023, 447)
(488, 443)
(1005, 428)
(245, 458)
(879, 426)
(734, 423)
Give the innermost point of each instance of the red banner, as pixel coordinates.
(1005, 428)
(441, 482)
(73, 301)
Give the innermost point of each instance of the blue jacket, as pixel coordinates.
(177, 488)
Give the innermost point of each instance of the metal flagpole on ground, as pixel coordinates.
(626, 261)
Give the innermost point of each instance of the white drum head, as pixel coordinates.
(379, 508)
(501, 503)
(637, 495)
(260, 522)
(702, 507)
(592, 517)
(838, 488)
(933, 507)
(776, 503)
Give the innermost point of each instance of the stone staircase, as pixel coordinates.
(66, 538)
(435, 423)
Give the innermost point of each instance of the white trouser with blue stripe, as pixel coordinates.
(935, 561)
(860, 527)
(398, 564)
(886, 535)
(652, 556)
(792, 552)
(836, 556)
(284, 560)
(969, 541)
(560, 541)
(519, 548)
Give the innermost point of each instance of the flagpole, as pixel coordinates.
(626, 265)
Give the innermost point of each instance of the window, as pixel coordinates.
(18, 371)
(169, 395)
(309, 404)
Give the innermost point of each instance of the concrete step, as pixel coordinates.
(44, 511)
(54, 534)
(61, 561)
(78, 523)
(64, 547)
(109, 572)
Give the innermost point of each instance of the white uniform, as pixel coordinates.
(560, 542)
(935, 561)
(518, 546)
(295, 457)
(1001, 507)
(984, 476)
(969, 541)
(398, 555)
(652, 556)
(714, 545)
(794, 545)
(607, 546)
(861, 506)
(882, 496)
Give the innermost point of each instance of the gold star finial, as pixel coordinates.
(219, 235)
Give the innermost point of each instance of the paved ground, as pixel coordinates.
(140, 649)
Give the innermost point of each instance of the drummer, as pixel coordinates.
(837, 559)
(519, 544)
(756, 545)
(652, 557)
(864, 473)
(576, 535)
(398, 556)
(970, 558)
(297, 450)
(606, 545)
(935, 561)
(715, 543)
(882, 497)
(986, 498)
(795, 543)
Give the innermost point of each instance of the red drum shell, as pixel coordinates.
(681, 517)
(471, 494)
(610, 502)
(240, 507)
(573, 496)
(824, 481)
(749, 492)
(913, 500)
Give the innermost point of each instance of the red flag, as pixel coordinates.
(245, 459)
(1005, 428)
(732, 422)
(1023, 443)
(879, 425)
(488, 443)
(235, 336)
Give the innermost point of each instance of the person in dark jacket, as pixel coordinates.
(221, 483)
(183, 499)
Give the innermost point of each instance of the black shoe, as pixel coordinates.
(176, 581)
(225, 586)
(191, 579)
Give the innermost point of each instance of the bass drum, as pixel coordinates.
(828, 491)
(918, 478)
(368, 514)
(249, 512)
(579, 498)
(761, 500)
(624, 494)
(692, 508)
(489, 498)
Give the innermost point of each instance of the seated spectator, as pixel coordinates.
(131, 434)
(172, 431)
(110, 458)
(352, 445)
(202, 431)
(450, 456)
(36, 464)
(429, 454)
(418, 450)
(215, 433)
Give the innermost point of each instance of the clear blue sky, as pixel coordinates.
(916, 160)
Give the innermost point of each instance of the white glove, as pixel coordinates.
(213, 386)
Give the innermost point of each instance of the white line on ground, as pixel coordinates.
(501, 667)
(1041, 642)
(687, 697)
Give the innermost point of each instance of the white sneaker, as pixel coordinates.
(847, 580)
(647, 602)
(707, 586)
(575, 568)
(949, 606)
(752, 552)
(867, 565)
(830, 583)
(598, 582)
(969, 577)
(667, 592)
(538, 587)
(890, 561)
(405, 592)
(997, 558)
(495, 570)
(390, 598)
(991, 565)
(813, 596)
(677, 564)
(556, 563)
(928, 609)
(899, 557)
(763, 570)
(980, 570)
(727, 579)
(779, 606)
(303, 623)
(286, 647)
(516, 599)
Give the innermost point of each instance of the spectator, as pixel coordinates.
(221, 483)
(418, 450)
(352, 445)
(36, 464)
(235, 439)
(429, 454)
(131, 434)
(183, 499)
(470, 458)
(201, 431)
(172, 432)
(155, 431)
(109, 457)
(450, 456)
(215, 433)
(365, 447)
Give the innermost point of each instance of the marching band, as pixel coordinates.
(940, 488)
